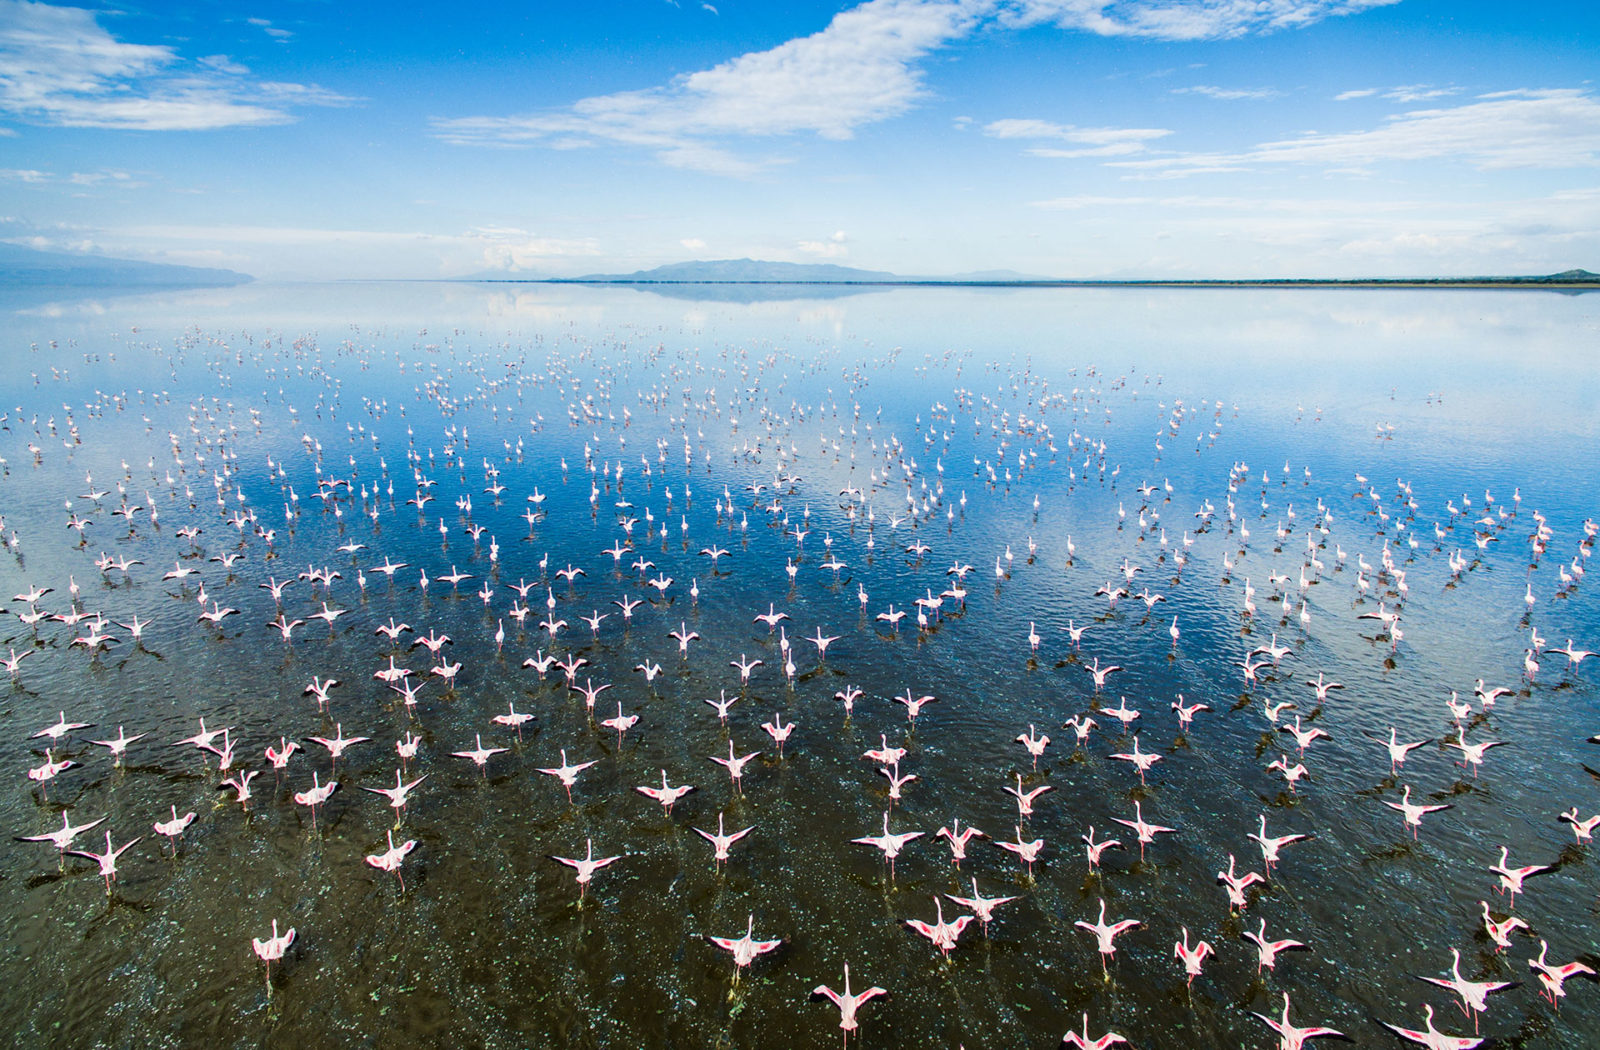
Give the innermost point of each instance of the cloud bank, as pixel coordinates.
(863, 67)
(59, 66)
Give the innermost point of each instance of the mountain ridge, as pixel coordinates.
(21, 265)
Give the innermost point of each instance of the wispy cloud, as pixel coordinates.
(1183, 19)
(1409, 93)
(833, 247)
(1556, 128)
(1090, 142)
(78, 178)
(857, 70)
(863, 67)
(1230, 94)
(59, 66)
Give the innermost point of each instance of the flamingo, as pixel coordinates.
(1095, 849)
(980, 905)
(106, 860)
(847, 1003)
(958, 838)
(745, 949)
(1193, 958)
(1083, 1042)
(1551, 978)
(665, 795)
(1431, 1037)
(1025, 798)
(568, 773)
(272, 948)
(63, 837)
(891, 845)
(586, 867)
(390, 859)
(1267, 951)
(1034, 743)
(943, 934)
(720, 841)
(1106, 934)
(1474, 994)
(172, 829)
(1511, 879)
(1291, 1037)
(1146, 832)
(1237, 884)
(1412, 812)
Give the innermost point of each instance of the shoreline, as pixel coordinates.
(1476, 283)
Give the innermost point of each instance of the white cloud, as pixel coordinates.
(861, 68)
(694, 244)
(59, 66)
(832, 248)
(1090, 142)
(1229, 94)
(1183, 19)
(857, 70)
(1346, 96)
(25, 175)
(266, 26)
(1556, 128)
(1409, 93)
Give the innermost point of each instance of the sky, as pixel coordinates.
(307, 139)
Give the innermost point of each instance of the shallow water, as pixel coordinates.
(1450, 393)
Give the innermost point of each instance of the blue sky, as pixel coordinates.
(1071, 138)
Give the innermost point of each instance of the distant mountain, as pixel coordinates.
(744, 271)
(29, 266)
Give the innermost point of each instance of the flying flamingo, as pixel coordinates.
(316, 795)
(980, 905)
(1500, 932)
(1431, 1037)
(1193, 958)
(665, 795)
(958, 838)
(106, 860)
(568, 773)
(1237, 884)
(943, 934)
(1106, 934)
(390, 859)
(1034, 743)
(719, 841)
(622, 723)
(1511, 879)
(172, 829)
(272, 948)
(1412, 812)
(62, 838)
(1083, 1042)
(1551, 978)
(1146, 832)
(1291, 1037)
(890, 844)
(847, 1003)
(1267, 951)
(1474, 994)
(1028, 852)
(586, 867)
(745, 949)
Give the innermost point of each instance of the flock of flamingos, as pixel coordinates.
(341, 518)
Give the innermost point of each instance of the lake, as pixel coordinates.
(1388, 489)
